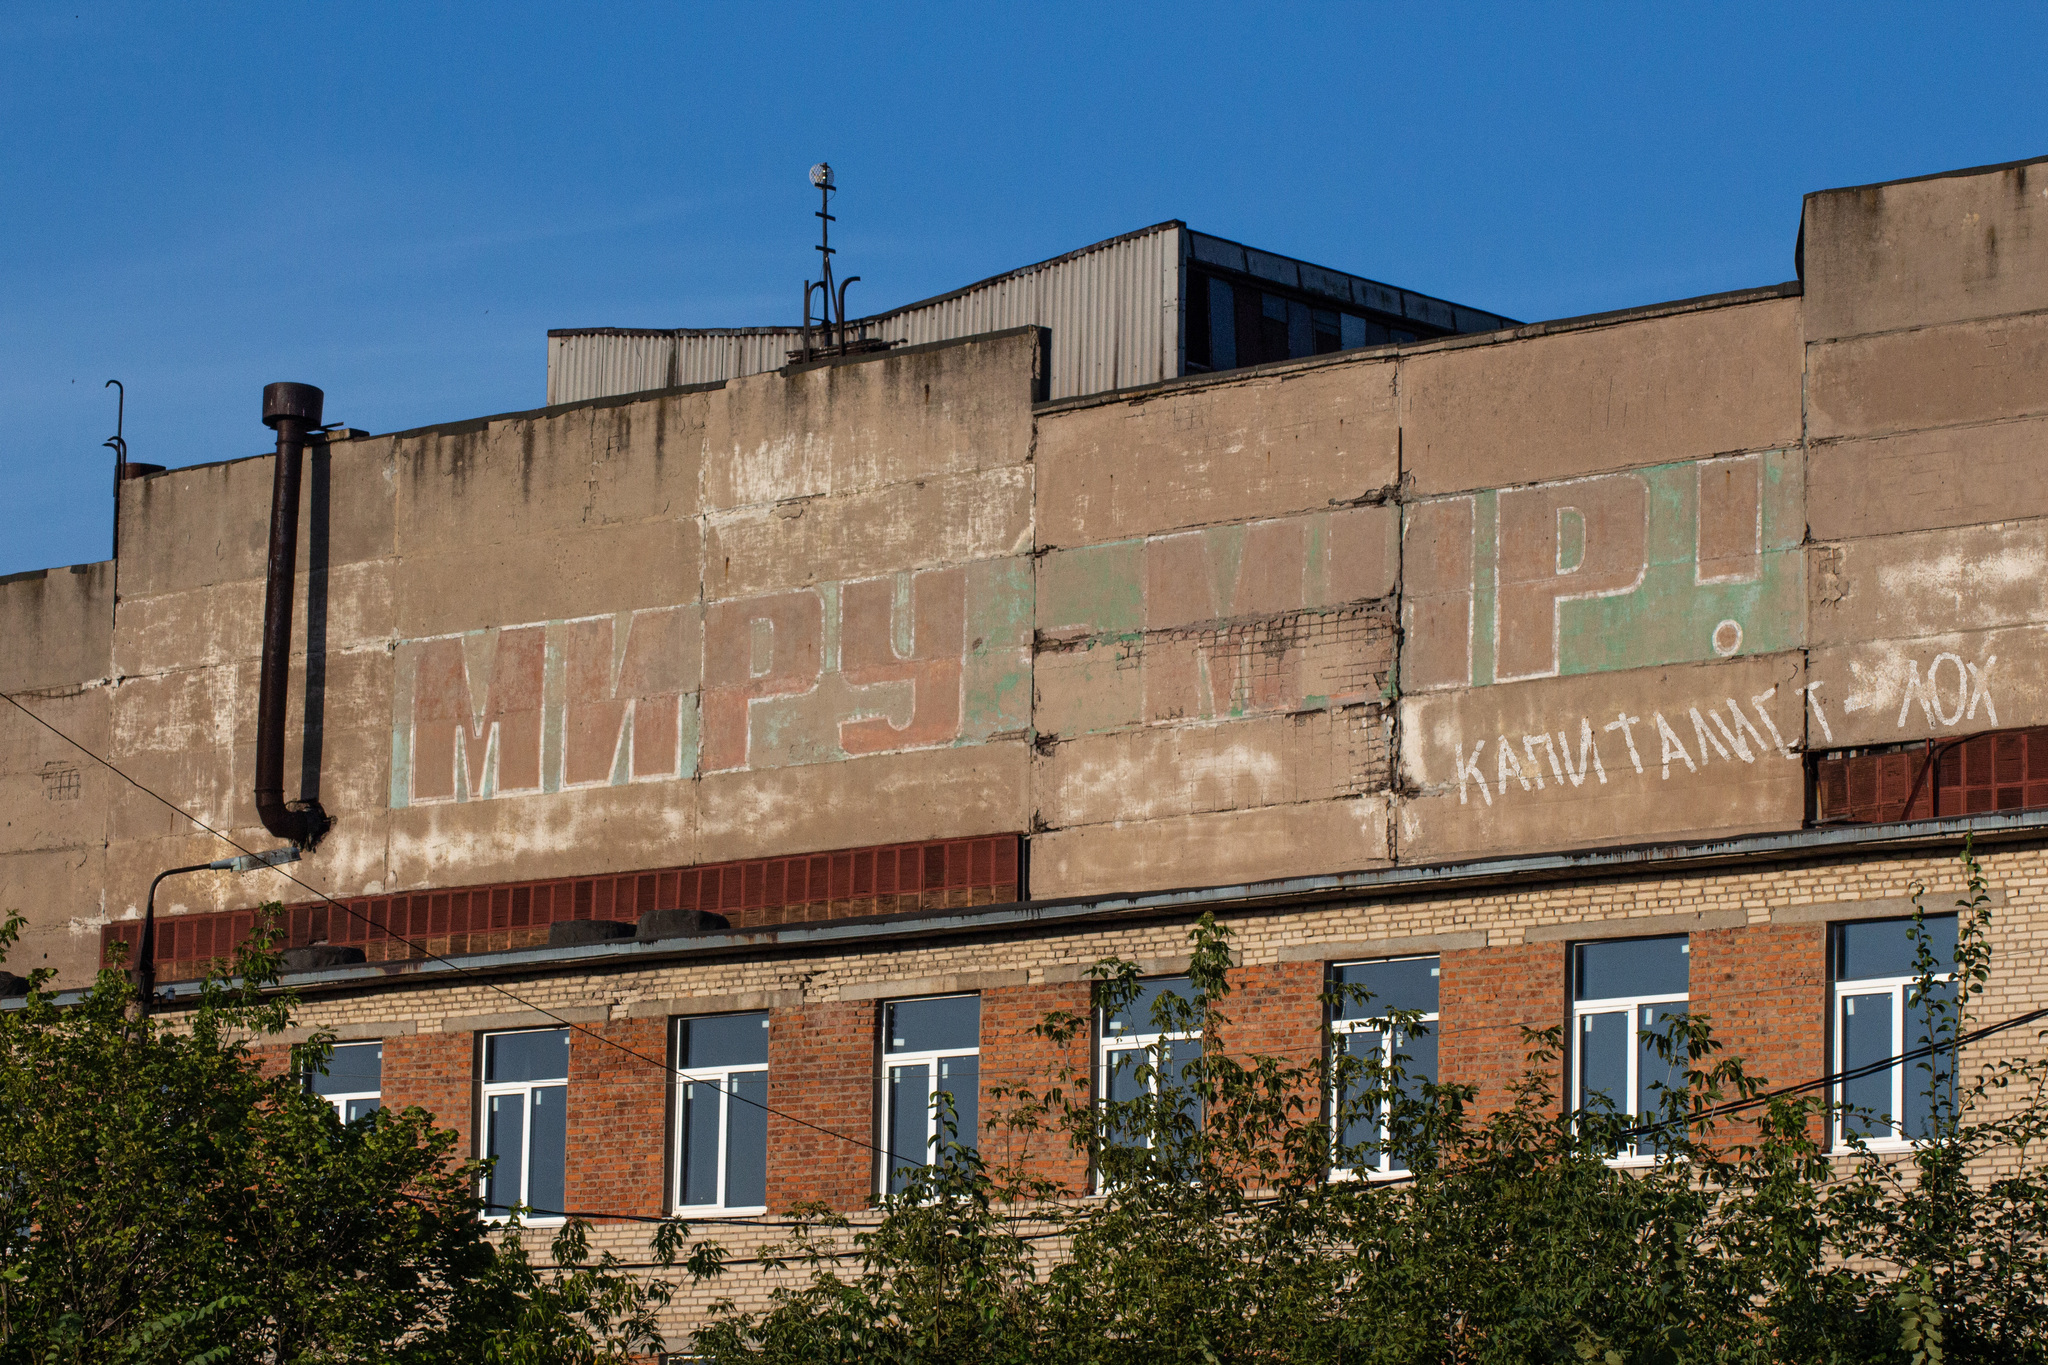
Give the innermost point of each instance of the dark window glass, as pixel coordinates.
(1196, 324)
(1417, 1056)
(1301, 337)
(960, 1077)
(1603, 1058)
(1273, 329)
(701, 1124)
(942, 1025)
(358, 1108)
(1139, 1015)
(549, 1154)
(1866, 1025)
(1222, 326)
(351, 1069)
(1655, 1077)
(1250, 325)
(746, 1141)
(1630, 966)
(1934, 1073)
(505, 1139)
(725, 1040)
(1868, 949)
(1328, 336)
(1352, 331)
(909, 1103)
(1400, 984)
(542, 1055)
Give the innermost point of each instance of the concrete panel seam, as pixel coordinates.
(1884, 907)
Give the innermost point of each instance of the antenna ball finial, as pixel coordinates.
(821, 176)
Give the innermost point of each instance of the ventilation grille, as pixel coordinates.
(852, 883)
(2007, 770)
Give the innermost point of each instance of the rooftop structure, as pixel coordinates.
(1151, 305)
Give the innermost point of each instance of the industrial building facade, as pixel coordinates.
(720, 770)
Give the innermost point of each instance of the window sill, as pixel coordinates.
(717, 1211)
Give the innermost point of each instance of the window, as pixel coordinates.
(1362, 1031)
(722, 1113)
(928, 1047)
(353, 1080)
(526, 1121)
(1880, 1014)
(1136, 1052)
(1624, 992)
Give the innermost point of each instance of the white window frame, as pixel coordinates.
(930, 1059)
(1901, 1072)
(491, 1089)
(1341, 1028)
(1633, 1005)
(721, 1077)
(341, 1101)
(1112, 1044)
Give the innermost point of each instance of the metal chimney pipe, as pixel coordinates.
(293, 410)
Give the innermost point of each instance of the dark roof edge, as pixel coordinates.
(1351, 275)
(1934, 175)
(1521, 332)
(1379, 883)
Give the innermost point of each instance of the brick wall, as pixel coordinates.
(1013, 1057)
(618, 1115)
(1486, 997)
(435, 1071)
(1764, 988)
(821, 1068)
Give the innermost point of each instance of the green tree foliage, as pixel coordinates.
(166, 1198)
(1213, 1231)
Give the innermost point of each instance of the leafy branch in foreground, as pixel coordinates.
(1211, 1228)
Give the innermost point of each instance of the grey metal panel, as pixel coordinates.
(1216, 251)
(597, 365)
(1266, 266)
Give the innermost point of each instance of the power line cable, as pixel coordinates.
(422, 949)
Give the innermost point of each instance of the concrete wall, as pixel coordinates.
(1586, 583)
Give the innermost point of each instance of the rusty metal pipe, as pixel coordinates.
(293, 411)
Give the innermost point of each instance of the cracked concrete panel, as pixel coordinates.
(919, 524)
(1258, 447)
(61, 891)
(1224, 848)
(1929, 583)
(1929, 634)
(868, 424)
(1606, 398)
(571, 833)
(56, 627)
(1928, 377)
(189, 528)
(1163, 771)
(348, 607)
(508, 479)
(548, 577)
(952, 793)
(1929, 687)
(1920, 480)
(174, 733)
(54, 797)
(1692, 751)
(1940, 249)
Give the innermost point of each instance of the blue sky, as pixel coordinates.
(396, 202)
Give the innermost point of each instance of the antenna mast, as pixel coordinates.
(835, 338)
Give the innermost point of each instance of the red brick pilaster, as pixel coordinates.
(618, 1115)
(435, 1071)
(821, 1069)
(1486, 997)
(1764, 989)
(1013, 1056)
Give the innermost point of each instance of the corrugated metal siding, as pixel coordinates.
(1113, 310)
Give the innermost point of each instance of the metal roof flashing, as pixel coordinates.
(1051, 915)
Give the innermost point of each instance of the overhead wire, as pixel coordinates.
(1642, 1130)
(421, 948)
